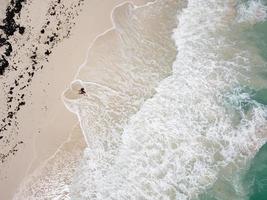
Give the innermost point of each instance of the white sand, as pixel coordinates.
(46, 123)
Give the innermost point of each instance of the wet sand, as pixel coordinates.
(44, 122)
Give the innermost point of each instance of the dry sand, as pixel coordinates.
(45, 123)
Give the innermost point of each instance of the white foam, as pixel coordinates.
(184, 136)
(253, 12)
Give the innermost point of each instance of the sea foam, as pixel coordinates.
(253, 11)
(201, 122)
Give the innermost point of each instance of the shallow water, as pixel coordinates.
(166, 127)
(255, 177)
(249, 181)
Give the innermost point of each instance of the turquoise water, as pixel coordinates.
(261, 96)
(258, 35)
(255, 179)
(249, 183)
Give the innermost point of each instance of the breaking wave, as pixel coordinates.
(167, 113)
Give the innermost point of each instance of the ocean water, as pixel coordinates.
(255, 178)
(175, 103)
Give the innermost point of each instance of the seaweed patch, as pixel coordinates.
(9, 26)
(26, 57)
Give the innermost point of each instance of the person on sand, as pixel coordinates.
(82, 91)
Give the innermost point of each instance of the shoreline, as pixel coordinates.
(60, 120)
(136, 4)
(97, 94)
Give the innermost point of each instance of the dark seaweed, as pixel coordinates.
(9, 26)
(49, 36)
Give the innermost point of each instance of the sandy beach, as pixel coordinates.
(133, 99)
(44, 123)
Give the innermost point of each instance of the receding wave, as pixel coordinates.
(123, 67)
